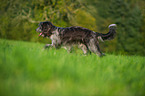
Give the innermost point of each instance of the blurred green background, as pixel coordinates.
(27, 70)
(20, 18)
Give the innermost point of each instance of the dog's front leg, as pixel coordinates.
(68, 48)
(54, 44)
(48, 46)
(84, 48)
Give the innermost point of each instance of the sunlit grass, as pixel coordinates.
(27, 70)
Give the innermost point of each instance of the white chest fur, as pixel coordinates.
(55, 37)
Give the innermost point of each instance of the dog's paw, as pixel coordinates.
(47, 46)
(102, 55)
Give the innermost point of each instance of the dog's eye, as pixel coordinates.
(40, 27)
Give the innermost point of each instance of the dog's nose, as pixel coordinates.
(38, 29)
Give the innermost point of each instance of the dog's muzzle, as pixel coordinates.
(38, 29)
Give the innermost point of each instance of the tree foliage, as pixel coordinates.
(20, 18)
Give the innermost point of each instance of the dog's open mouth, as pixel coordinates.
(41, 34)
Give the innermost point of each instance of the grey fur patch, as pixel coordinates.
(100, 38)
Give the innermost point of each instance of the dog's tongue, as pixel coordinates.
(40, 34)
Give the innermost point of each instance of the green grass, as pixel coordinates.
(27, 70)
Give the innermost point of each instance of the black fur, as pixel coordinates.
(88, 39)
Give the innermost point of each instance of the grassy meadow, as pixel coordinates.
(27, 70)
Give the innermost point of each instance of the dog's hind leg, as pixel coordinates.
(98, 51)
(94, 47)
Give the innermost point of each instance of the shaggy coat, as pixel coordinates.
(87, 40)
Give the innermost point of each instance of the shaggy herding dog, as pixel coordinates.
(86, 39)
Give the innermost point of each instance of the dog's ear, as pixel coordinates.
(40, 24)
(49, 24)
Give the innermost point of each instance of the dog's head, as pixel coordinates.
(45, 28)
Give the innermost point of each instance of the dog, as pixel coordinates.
(86, 39)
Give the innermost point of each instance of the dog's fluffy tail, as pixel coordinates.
(110, 35)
